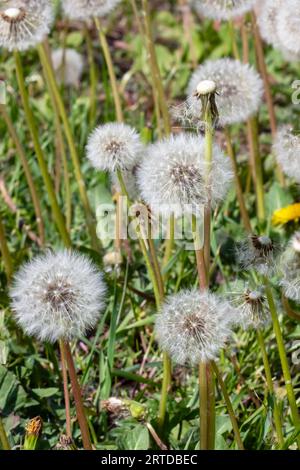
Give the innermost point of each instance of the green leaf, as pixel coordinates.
(45, 392)
(138, 438)
(12, 394)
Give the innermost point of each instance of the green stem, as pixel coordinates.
(155, 72)
(170, 241)
(283, 359)
(203, 407)
(230, 410)
(256, 167)
(93, 77)
(57, 214)
(238, 184)
(277, 417)
(26, 168)
(3, 437)
(49, 73)
(289, 311)
(111, 71)
(7, 260)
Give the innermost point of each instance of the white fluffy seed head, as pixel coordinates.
(290, 269)
(222, 9)
(258, 253)
(288, 25)
(68, 65)
(286, 149)
(58, 296)
(24, 23)
(114, 146)
(252, 309)
(267, 19)
(239, 91)
(85, 9)
(194, 326)
(173, 175)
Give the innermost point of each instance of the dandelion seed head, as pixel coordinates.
(24, 23)
(239, 91)
(114, 146)
(267, 21)
(68, 65)
(288, 25)
(85, 9)
(252, 309)
(222, 9)
(58, 296)
(172, 176)
(258, 253)
(290, 269)
(193, 326)
(286, 149)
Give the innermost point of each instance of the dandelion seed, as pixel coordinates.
(24, 23)
(172, 176)
(194, 326)
(258, 253)
(85, 9)
(290, 268)
(58, 296)
(114, 146)
(239, 91)
(223, 9)
(252, 309)
(68, 65)
(288, 25)
(287, 152)
(268, 20)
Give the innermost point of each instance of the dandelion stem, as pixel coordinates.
(158, 288)
(49, 73)
(268, 94)
(93, 77)
(26, 168)
(252, 126)
(283, 359)
(233, 419)
(203, 406)
(289, 311)
(111, 71)
(7, 260)
(156, 75)
(169, 242)
(238, 184)
(66, 390)
(276, 411)
(57, 214)
(77, 398)
(3, 437)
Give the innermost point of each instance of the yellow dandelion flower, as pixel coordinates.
(286, 214)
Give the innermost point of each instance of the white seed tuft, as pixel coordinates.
(222, 9)
(58, 296)
(290, 269)
(239, 91)
(24, 23)
(68, 65)
(287, 151)
(194, 326)
(114, 146)
(85, 9)
(172, 176)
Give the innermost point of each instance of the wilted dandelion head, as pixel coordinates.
(288, 25)
(239, 91)
(258, 253)
(114, 146)
(172, 176)
(223, 9)
(287, 152)
(24, 23)
(290, 269)
(58, 296)
(252, 309)
(84, 9)
(193, 326)
(68, 65)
